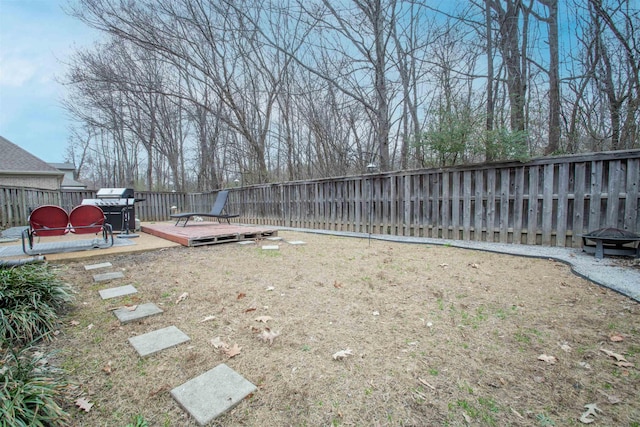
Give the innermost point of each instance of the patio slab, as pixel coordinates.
(97, 266)
(297, 242)
(270, 247)
(117, 292)
(103, 277)
(213, 393)
(159, 340)
(125, 315)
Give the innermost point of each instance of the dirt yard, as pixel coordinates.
(370, 334)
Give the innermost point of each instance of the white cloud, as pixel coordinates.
(15, 72)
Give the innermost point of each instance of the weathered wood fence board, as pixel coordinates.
(549, 201)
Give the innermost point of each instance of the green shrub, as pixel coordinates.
(30, 297)
(29, 389)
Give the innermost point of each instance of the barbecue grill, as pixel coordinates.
(611, 241)
(118, 205)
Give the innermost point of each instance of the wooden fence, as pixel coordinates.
(549, 201)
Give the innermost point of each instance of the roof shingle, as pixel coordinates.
(16, 159)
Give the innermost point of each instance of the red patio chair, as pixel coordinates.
(90, 219)
(45, 220)
(49, 220)
(86, 219)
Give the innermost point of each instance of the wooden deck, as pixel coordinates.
(206, 233)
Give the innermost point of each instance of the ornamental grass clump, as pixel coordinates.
(29, 388)
(30, 298)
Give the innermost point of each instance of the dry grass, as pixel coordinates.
(440, 336)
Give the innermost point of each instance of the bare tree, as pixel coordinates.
(553, 71)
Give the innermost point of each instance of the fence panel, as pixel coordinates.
(549, 201)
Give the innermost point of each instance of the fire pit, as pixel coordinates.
(611, 241)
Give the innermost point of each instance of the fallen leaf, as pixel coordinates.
(263, 319)
(612, 399)
(566, 347)
(74, 323)
(618, 357)
(182, 297)
(624, 364)
(268, 335)
(376, 313)
(443, 265)
(107, 368)
(232, 351)
(90, 326)
(337, 284)
(342, 354)
(473, 265)
(217, 342)
(466, 417)
(206, 319)
(592, 410)
(616, 338)
(83, 404)
(241, 295)
(250, 309)
(546, 358)
(131, 307)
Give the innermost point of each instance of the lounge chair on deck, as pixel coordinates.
(50, 220)
(216, 211)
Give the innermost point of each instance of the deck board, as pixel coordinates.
(207, 233)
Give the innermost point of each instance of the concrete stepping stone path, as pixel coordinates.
(103, 277)
(159, 340)
(141, 311)
(270, 247)
(297, 242)
(97, 266)
(213, 393)
(117, 292)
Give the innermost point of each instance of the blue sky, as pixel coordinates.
(36, 39)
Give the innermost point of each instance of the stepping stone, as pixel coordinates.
(156, 341)
(213, 393)
(247, 242)
(274, 239)
(117, 292)
(108, 276)
(271, 247)
(96, 266)
(297, 242)
(125, 315)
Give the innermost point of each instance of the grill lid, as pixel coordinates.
(109, 202)
(115, 193)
